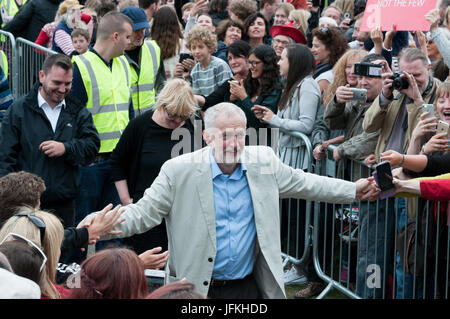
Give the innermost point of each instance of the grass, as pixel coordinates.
(332, 294)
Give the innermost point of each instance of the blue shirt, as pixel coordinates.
(235, 223)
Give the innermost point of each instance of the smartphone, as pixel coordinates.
(383, 177)
(184, 56)
(359, 94)
(442, 127)
(428, 108)
(155, 278)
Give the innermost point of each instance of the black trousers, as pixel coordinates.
(65, 210)
(245, 288)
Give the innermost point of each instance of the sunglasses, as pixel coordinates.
(174, 116)
(29, 242)
(39, 223)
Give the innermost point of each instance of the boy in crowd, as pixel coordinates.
(209, 71)
(80, 40)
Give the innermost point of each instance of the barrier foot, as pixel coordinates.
(325, 291)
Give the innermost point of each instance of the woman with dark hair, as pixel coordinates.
(328, 46)
(237, 59)
(166, 31)
(229, 31)
(262, 86)
(115, 273)
(298, 104)
(257, 30)
(297, 111)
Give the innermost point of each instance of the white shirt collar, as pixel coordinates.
(42, 101)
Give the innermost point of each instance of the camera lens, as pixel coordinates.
(399, 83)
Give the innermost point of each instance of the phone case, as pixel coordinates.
(383, 194)
(442, 127)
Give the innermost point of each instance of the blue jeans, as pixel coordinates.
(375, 248)
(97, 190)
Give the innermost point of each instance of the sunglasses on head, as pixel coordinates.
(38, 222)
(29, 242)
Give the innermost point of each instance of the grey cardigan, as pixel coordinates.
(300, 113)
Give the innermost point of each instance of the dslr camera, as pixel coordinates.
(399, 83)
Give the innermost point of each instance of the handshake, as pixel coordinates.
(367, 189)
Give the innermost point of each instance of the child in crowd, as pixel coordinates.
(80, 40)
(209, 72)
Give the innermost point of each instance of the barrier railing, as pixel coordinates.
(31, 57)
(8, 46)
(295, 215)
(391, 248)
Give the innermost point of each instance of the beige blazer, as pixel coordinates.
(183, 195)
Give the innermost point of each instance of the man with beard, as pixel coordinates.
(221, 206)
(144, 58)
(49, 133)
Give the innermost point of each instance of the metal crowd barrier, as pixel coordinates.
(295, 214)
(30, 57)
(8, 46)
(25, 59)
(387, 260)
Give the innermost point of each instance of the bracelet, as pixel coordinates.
(423, 149)
(403, 160)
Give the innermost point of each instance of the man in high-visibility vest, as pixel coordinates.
(101, 81)
(9, 8)
(147, 70)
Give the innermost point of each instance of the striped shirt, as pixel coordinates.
(206, 81)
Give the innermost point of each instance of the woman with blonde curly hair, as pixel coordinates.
(47, 232)
(343, 72)
(166, 31)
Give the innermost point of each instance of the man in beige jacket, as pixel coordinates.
(221, 206)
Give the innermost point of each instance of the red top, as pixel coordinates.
(63, 292)
(435, 189)
(438, 190)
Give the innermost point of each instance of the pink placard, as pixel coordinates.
(406, 15)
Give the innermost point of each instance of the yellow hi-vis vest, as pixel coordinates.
(10, 7)
(108, 96)
(143, 85)
(4, 63)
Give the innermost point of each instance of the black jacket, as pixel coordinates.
(26, 126)
(30, 19)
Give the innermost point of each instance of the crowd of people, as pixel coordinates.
(159, 132)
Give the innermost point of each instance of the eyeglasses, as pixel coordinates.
(174, 116)
(254, 63)
(29, 242)
(39, 223)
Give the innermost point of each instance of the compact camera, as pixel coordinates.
(359, 94)
(399, 83)
(368, 69)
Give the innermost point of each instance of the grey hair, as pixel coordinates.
(224, 107)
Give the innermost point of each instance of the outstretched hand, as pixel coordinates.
(367, 189)
(103, 223)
